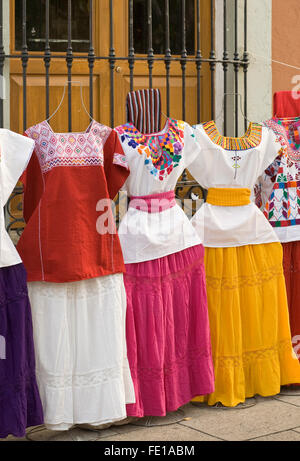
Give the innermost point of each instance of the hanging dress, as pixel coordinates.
(20, 404)
(278, 196)
(251, 340)
(168, 338)
(75, 271)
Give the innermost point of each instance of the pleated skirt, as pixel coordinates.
(20, 404)
(291, 266)
(82, 368)
(249, 321)
(168, 336)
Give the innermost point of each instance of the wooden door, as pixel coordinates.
(36, 109)
(141, 73)
(36, 88)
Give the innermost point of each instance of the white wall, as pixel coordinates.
(259, 72)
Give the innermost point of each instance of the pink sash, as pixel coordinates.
(155, 203)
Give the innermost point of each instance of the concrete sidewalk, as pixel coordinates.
(266, 419)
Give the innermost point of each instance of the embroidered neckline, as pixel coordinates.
(159, 133)
(252, 137)
(69, 149)
(80, 133)
(288, 127)
(162, 151)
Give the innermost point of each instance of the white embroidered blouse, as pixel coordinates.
(278, 189)
(225, 162)
(156, 162)
(15, 154)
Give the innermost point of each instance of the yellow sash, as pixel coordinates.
(228, 196)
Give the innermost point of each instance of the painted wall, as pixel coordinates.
(259, 71)
(285, 43)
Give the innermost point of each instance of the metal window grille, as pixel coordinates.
(185, 186)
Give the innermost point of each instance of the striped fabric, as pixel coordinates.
(250, 139)
(143, 108)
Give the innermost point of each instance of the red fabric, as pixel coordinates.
(291, 266)
(285, 104)
(33, 183)
(115, 174)
(168, 336)
(60, 242)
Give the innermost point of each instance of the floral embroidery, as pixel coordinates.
(283, 204)
(163, 152)
(257, 195)
(284, 130)
(69, 149)
(236, 158)
(272, 170)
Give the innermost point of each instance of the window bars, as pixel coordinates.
(185, 186)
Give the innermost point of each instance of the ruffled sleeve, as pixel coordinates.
(16, 151)
(274, 148)
(191, 147)
(202, 163)
(115, 164)
(32, 180)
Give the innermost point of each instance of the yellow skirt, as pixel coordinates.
(249, 323)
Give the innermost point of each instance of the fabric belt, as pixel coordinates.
(228, 196)
(155, 203)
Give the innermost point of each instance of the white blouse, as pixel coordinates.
(15, 151)
(232, 163)
(156, 162)
(277, 190)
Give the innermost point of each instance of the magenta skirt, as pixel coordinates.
(168, 336)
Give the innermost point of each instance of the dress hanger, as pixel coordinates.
(241, 106)
(61, 101)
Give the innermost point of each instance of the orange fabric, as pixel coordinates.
(228, 196)
(60, 242)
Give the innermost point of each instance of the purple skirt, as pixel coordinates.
(168, 335)
(20, 404)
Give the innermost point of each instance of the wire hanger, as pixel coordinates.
(241, 106)
(62, 99)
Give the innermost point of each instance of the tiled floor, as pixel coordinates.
(267, 419)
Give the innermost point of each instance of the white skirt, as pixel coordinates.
(81, 358)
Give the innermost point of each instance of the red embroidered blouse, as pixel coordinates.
(67, 176)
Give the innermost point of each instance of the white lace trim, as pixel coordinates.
(111, 284)
(90, 379)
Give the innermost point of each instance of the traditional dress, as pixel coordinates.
(278, 196)
(20, 404)
(247, 302)
(168, 336)
(75, 269)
